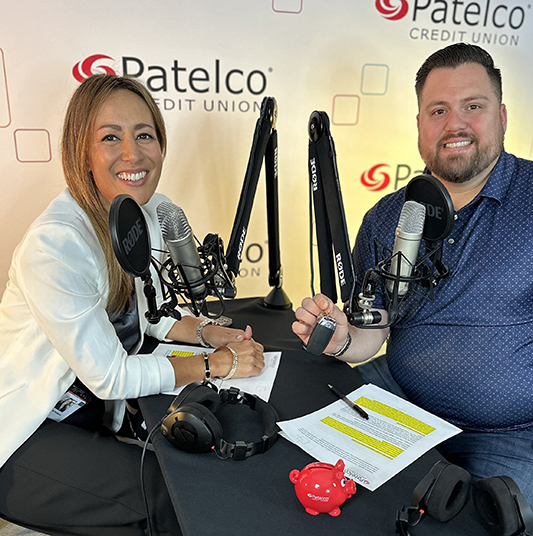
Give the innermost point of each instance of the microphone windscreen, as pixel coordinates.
(412, 218)
(430, 192)
(173, 222)
(130, 237)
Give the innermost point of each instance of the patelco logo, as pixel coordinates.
(375, 180)
(215, 86)
(390, 11)
(91, 65)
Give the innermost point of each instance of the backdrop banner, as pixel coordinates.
(209, 64)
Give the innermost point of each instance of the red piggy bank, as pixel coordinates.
(322, 487)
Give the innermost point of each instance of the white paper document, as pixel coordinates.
(258, 385)
(374, 450)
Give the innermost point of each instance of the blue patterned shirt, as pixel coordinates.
(468, 356)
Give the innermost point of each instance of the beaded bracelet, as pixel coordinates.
(199, 331)
(233, 365)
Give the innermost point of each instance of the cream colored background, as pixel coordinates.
(340, 56)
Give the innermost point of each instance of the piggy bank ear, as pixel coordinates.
(340, 466)
(294, 476)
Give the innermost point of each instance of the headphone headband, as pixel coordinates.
(192, 426)
(240, 449)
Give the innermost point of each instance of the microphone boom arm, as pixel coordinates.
(264, 148)
(331, 229)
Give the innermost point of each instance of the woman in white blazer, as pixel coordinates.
(71, 319)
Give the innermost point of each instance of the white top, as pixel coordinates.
(54, 326)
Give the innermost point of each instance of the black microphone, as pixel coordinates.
(406, 245)
(179, 239)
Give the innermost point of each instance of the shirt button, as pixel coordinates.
(455, 216)
(451, 240)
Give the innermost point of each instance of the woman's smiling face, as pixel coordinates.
(124, 155)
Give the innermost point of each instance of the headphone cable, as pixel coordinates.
(143, 490)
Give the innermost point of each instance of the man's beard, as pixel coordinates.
(461, 168)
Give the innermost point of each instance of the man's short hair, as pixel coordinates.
(455, 55)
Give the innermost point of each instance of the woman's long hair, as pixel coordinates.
(78, 131)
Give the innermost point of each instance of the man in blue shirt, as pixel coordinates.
(468, 355)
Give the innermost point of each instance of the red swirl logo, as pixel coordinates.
(392, 12)
(91, 65)
(375, 180)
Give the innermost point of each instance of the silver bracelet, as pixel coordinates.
(233, 365)
(207, 374)
(199, 331)
(345, 347)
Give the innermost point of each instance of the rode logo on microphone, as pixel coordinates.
(133, 236)
(392, 9)
(375, 179)
(433, 211)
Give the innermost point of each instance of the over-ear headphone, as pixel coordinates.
(502, 508)
(191, 425)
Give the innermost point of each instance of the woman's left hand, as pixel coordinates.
(217, 336)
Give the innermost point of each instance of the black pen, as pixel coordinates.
(357, 408)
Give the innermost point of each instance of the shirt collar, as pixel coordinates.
(499, 180)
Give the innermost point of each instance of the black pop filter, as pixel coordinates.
(429, 191)
(129, 235)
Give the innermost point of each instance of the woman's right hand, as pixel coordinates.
(250, 359)
(307, 317)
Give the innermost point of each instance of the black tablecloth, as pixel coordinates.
(255, 496)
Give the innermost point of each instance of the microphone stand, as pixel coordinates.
(334, 244)
(153, 315)
(264, 147)
(427, 272)
(213, 278)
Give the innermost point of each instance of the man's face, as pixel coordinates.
(461, 124)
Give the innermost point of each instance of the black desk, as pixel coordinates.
(255, 497)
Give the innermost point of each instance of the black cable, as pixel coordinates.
(143, 490)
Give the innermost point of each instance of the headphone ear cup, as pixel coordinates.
(192, 428)
(495, 505)
(448, 494)
(197, 392)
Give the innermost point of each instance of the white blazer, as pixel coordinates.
(54, 326)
